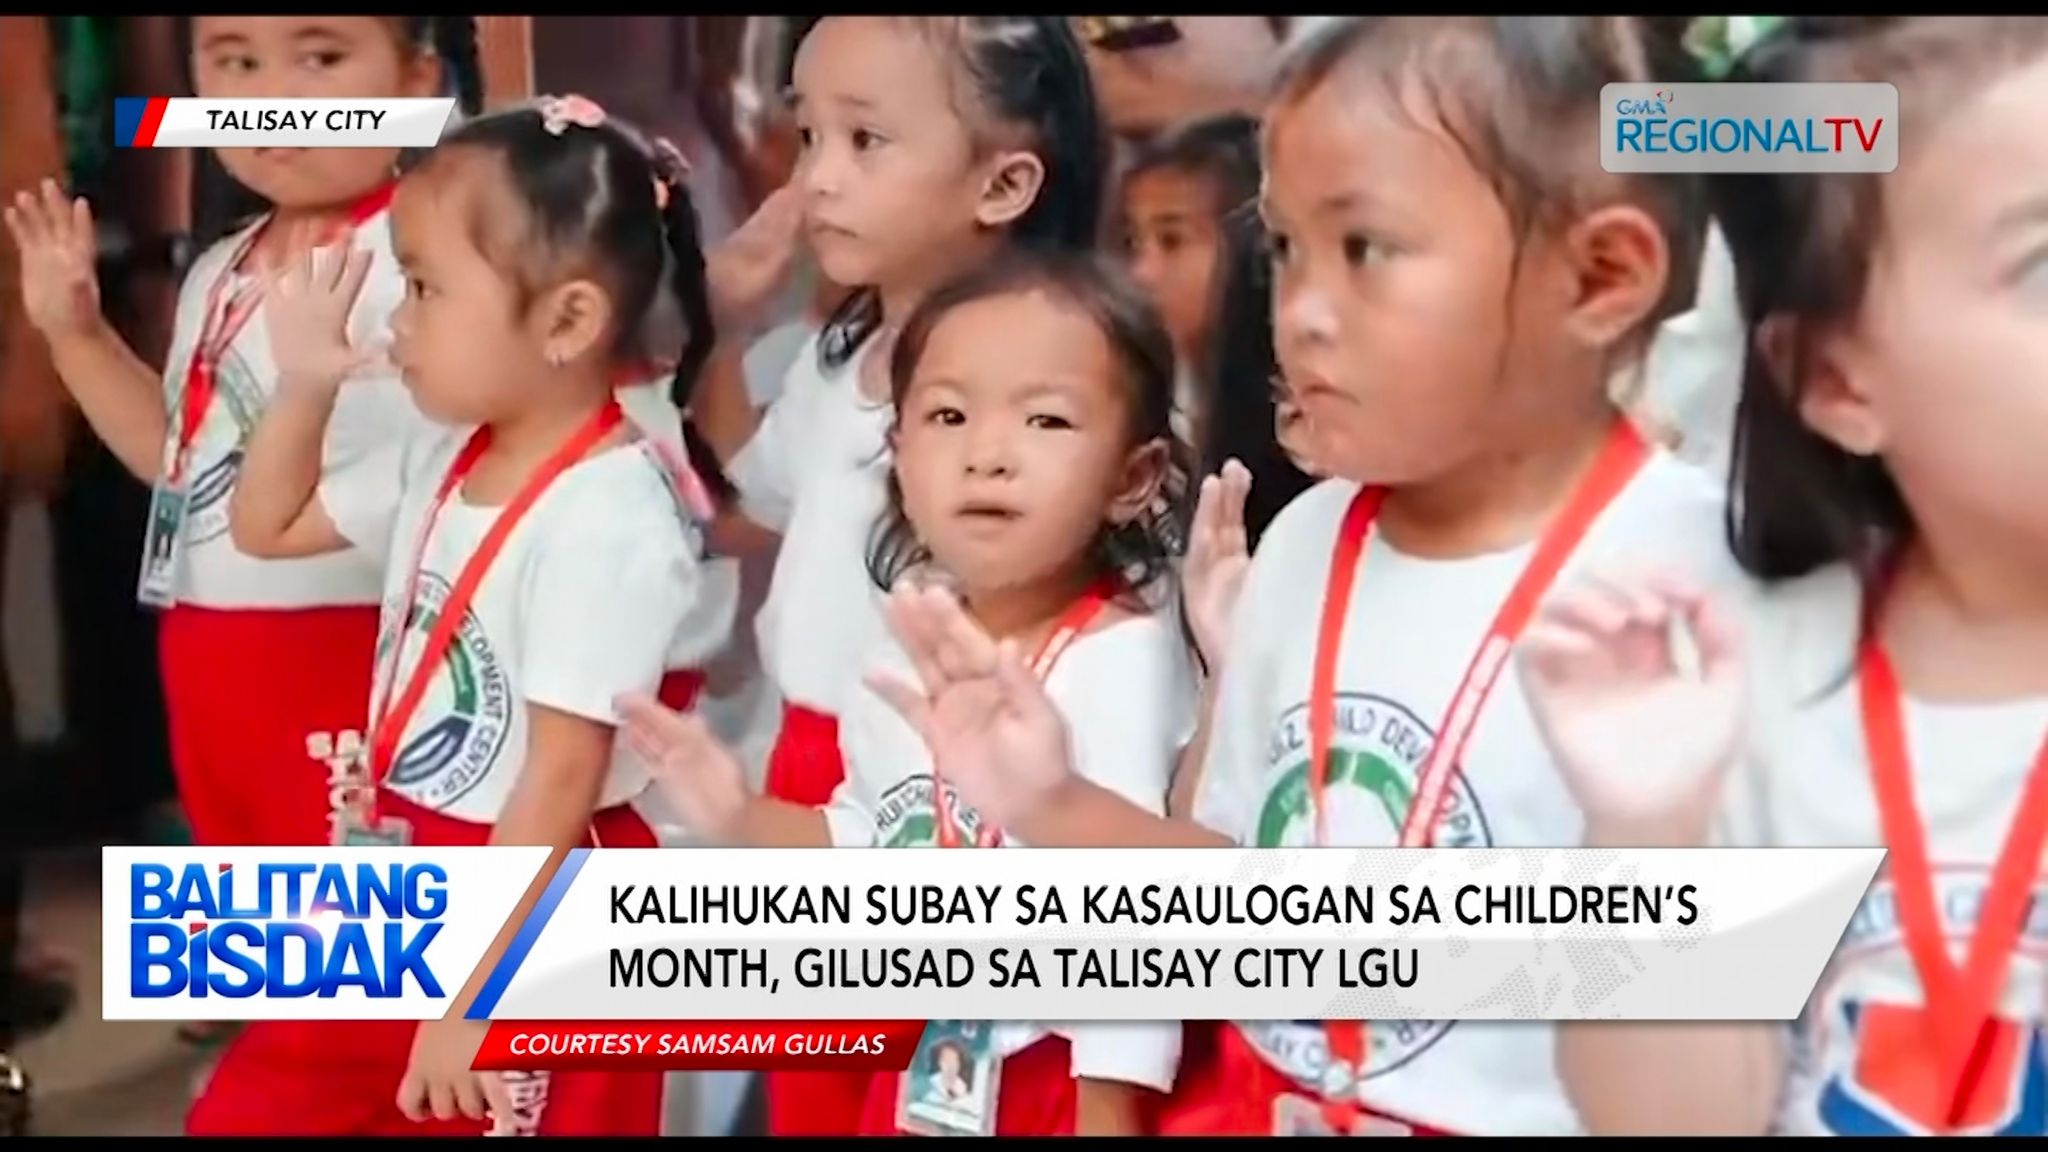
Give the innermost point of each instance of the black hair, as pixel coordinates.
(1520, 97)
(221, 204)
(1803, 246)
(1024, 71)
(1223, 149)
(592, 198)
(1240, 378)
(1138, 552)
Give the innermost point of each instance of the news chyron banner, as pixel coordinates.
(737, 958)
(306, 122)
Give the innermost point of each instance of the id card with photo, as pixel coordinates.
(385, 832)
(1301, 1116)
(951, 1084)
(162, 547)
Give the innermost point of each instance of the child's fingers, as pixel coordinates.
(354, 270)
(1237, 487)
(1585, 607)
(1551, 648)
(1718, 636)
(914, 706)
(81, 228)
(965, 650)
(412, 1096)
(469, 1096)
(906, 620)
(497, 1100)
(22, 224)
(1022, 690)
(55, 212)
(441, 1101)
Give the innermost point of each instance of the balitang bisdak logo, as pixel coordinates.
(284, 930)
(1749, 128)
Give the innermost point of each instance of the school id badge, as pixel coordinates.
(950, 1087)
(162, 546)
(372, 832)
(1300, 1116)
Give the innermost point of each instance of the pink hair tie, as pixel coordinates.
(558, 112)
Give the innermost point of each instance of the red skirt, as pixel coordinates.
(1034, 1097)
(244, 692)
(805, 768)
(1225, 1088)
(340, 1077)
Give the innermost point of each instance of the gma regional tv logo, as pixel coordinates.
(296, 933)
(1747, 128)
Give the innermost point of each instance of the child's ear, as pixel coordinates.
(423, 74)
(1620, 267)
(1138, 488)
(574, 320)
(1013, 184)
(1821, 378)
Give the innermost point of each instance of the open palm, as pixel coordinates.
(696, 773)
(60, 286)
(1643, 743)
(992, 732)
(307, 302)
(1219, 554)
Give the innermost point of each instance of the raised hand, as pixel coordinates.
(60, 285)
(1218, 556)
(308, 297)
(1643, 742)
(992, 731)
(697, 774)
(746, 270)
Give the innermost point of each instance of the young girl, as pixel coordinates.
(1451, 298)
(263, 659)
(1895, 687)
(1177, 194)
(930, 143)
(539, 563)
(1028, 480)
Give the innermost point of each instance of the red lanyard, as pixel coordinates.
(1065, 631)
(1960, 1000)
(224, 320)
(388, 727)
(1619, 459)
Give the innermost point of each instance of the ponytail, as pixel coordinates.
(453, 39)
(693, 299)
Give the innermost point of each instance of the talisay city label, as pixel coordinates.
(301, 933)
(304, 122)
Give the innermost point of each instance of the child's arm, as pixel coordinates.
(551, 804)
(1108, 1108)
(122, 397)
(276, 511)
(1646, 751)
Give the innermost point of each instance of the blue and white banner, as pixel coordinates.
(1036, 934)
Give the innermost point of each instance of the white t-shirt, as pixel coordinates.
(595, 593)
(1128, 694)
(817, 472)
(1861, 1059)
(372, 412)
(1412, 628)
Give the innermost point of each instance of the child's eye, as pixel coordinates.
(863, 140)
(320, 61)
(1171, 242)
(1279, 249)
(235, 65)
(949, 417)
(805, 137)
(416, 287)
(1048, 421)
(1358, 250)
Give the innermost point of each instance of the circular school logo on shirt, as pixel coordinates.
(465, 716)
(1868, 1068)
(206, 508)
(907, 818)
(1377, 747)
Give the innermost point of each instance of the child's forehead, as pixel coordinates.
(872, 64)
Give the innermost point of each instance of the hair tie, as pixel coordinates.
(557, 113)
